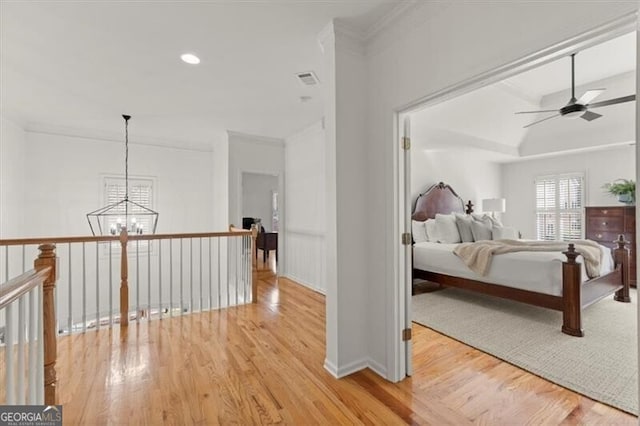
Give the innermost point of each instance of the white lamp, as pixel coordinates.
(494, 205)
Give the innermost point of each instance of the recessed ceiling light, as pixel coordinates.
(190, 58)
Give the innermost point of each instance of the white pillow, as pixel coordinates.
(419, 231)
(505, 233)
(481, 231)
(463, 222)
(432, 230)
(447, 230)
(487, 219)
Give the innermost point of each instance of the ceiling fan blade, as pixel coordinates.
(590, 116)
(540, 121)
(613, 101)
(535, 112)
(590, 95)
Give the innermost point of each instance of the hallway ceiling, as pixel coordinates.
(82, 64)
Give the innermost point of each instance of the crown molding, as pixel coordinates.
(344, 37)
(14, 119)
(390, 18)
(517, 92)
(401, 21)
(572, 151)
(249, 138)
(107, 136)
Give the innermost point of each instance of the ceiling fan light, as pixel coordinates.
(573, 115)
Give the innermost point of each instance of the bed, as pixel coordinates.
(551, 280)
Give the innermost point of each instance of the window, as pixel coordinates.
(140, 192)
(559, 205)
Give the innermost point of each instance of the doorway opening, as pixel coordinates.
(513, 164)
(261, 206)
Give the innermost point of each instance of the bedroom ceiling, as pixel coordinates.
(82, 64)
(484, 119)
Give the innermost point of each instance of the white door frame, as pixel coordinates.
(610, 30)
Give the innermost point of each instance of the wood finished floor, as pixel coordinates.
(263, 363)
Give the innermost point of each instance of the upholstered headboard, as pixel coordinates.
(439, 198)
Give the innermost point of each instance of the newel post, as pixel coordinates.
(571, 297)
(254, 264)
(124, 276)
(47, 259)
(621, 257)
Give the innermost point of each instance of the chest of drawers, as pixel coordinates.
(604, 224)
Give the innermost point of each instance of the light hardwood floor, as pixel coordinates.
(263, 363)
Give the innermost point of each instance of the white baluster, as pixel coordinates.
(21, 340)
(8, 354)
(40, 334)
(33, 346)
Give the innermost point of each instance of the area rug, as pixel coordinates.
(602, 365)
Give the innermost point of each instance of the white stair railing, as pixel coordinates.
(110, 280)
(21, 308)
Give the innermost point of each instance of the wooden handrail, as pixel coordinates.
(143, 237)
(16, 287)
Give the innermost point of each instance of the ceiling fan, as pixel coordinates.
(579, 107)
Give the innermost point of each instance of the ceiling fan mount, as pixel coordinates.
(572, 110)
(579, 107)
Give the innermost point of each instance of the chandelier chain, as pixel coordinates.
(126, 158)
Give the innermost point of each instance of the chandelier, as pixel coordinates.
(124, 215)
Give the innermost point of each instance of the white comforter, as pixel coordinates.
(533, 271)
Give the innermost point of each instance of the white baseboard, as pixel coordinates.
(303, 283)
(350, 368)
(331, 368)
(378, 368)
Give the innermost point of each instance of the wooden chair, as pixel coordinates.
(266, 241)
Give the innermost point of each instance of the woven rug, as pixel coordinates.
(602, 365)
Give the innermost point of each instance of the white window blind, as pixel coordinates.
(559, 207)
(140, 192)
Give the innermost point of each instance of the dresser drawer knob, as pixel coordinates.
(605, 211)
(599, 236)
(604, 223)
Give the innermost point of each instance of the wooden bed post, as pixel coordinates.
(571, 298)
(621, 257)
(469, 208)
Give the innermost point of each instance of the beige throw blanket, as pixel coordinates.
(477, 256)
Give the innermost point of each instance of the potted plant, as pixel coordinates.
(624, 189)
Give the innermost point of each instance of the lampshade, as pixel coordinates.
(497, 205)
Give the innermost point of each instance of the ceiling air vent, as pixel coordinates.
(308, 78)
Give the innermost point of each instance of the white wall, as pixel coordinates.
(65, 183)
(472, 178)
(12, 163)
(305, 174)
(599, 167)
(435, 45)
(252, 154)
(220, 177)
(257, 191)
(348, 213)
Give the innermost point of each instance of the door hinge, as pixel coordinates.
(406, 334)
(406, 239)
(405, 143)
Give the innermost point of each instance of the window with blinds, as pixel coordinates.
(559, 207)
(140, 192)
